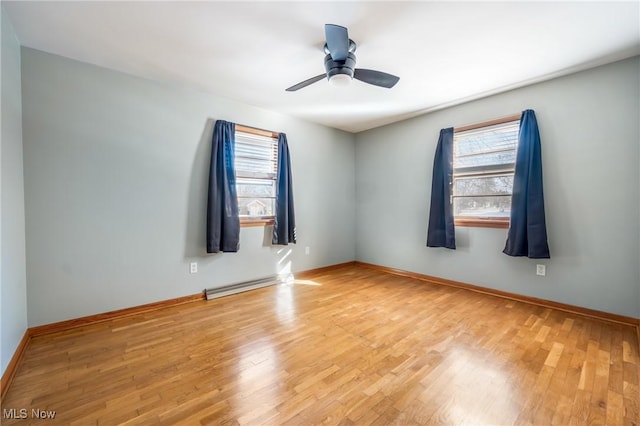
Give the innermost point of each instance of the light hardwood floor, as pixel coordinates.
(350, 346)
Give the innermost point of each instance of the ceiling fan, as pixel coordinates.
(340, 63)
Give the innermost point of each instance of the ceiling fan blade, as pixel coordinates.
(377, 78)
(306, 82)
(337, 41)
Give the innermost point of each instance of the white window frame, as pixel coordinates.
(257, 136)
(484, 171)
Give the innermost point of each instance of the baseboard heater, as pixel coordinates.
(214, 293)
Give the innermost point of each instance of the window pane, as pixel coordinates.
(490, 185)
(256, 207)
(263, 151)
(258, 188)
(254, 165)
(502, 157)
(483, 163)
(491, 140)
(486, 146)
(255, 154)
(497, 206)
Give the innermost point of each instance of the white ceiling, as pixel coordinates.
(444, 52)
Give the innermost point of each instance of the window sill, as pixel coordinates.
(247, 223)
(479, 222)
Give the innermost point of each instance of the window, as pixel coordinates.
(256, 164)
(484, 157)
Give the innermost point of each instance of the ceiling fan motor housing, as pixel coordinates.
(340, 63)
(340, 67)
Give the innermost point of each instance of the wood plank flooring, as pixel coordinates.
(351, 346)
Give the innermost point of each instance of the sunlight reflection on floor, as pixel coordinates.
(259, 377)
(481, 389)
(305, 282)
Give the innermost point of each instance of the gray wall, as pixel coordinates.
(115, 190)
(590, 137)
(13, 291)
(115, 179)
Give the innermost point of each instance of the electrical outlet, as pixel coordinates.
(541, 270)
(193, 267)
(306, 250)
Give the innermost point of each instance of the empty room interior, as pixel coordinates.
(320, 213)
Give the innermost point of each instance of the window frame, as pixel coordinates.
(246, 222)
(479, 221)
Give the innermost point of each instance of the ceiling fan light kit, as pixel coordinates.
(340, 63)
(340, 73)
(340, 80)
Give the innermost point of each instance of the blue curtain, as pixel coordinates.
(527, 229)
(223, 222)
(284, 227)
(441, 232)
